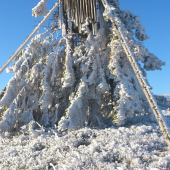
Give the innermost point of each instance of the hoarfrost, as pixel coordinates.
(40, 9)
(91, 81)
(140, 145)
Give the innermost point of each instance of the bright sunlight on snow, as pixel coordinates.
(138, 145)
(79, 95)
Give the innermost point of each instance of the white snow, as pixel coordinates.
(94, 77)
(139, 145)
(167, 96)
(40, 9)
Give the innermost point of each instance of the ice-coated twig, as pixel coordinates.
(52, 166)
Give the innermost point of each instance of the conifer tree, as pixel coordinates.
(58, 80)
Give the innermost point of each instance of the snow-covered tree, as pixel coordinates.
(78, 80)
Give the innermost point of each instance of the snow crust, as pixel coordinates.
(140, 145)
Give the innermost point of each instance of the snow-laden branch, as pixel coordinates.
(28, 38)
(40, 9)
(110, 14)
(79, 81)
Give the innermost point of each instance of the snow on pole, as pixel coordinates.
(40, 9)
(28, 38)
(117, 26)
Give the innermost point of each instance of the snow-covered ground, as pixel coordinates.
(138, 145)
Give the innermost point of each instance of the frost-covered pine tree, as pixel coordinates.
(78, 78)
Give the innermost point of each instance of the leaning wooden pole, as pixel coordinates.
(28, 38)
(136, 69)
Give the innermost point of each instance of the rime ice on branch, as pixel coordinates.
(40, 9)
(82, 78)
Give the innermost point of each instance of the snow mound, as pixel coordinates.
(138, 146)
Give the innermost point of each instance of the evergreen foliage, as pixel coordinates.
(90, 83)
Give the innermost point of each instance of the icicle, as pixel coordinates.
(81, 12)
(61, 16)
(76, 14)
(97, 11)
(84, 10)
(69, 17)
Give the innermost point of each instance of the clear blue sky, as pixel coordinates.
(17, 23)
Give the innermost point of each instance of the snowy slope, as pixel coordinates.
(163, 101)
(139, 145)
(167, 96)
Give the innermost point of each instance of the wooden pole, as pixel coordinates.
(139, 76)
(28, 38)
